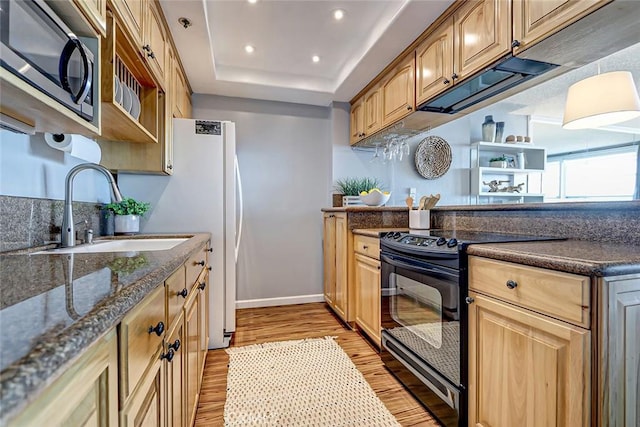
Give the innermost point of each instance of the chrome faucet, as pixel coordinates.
(68, 233)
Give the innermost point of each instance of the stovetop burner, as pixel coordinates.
(450, 241)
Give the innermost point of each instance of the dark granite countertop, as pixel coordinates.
(54, 306)
(571, 256)
(558, 206)
(366, 209)
(375, 232)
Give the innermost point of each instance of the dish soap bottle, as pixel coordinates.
(488, 129)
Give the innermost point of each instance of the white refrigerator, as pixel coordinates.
(203, 194)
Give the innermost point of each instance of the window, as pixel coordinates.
(600, 174)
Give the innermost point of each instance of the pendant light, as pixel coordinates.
(601, 100)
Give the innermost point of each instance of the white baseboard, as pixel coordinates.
(270, 302)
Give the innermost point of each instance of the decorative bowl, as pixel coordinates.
(375, 198)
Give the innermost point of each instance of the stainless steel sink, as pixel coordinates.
(119, 245)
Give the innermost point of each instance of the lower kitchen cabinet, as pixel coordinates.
(527, 367)
(175, 374)
(192, 354)
(146, 406)
(335, 257)
(203, 314)
(367, 283)
(85, 395)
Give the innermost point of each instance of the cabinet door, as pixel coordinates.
(356, 124)
(203, 314)
(85, 395)
(329, 255)
(619, 347)
(96, 12)
(146, 406)
(372, 112)
(155, 43)
(175, 375)
(367, 272)
(534, 20)
(341, 295)
(399, 92)
(182, 98)
(526, 369)
(132, 13)
(192, 346)
(434, 63)
(482, 34)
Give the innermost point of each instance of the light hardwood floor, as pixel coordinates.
(258, 325)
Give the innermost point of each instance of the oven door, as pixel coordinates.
(421, 331)
(40, 49)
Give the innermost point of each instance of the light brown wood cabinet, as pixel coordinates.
(175, 404)
(482, 35)
(181, 96)
(534, 20)
(526, 367)
(372, 111)
(132, 13)
(96, 12)
(434, 63)
(203, 314)
(192, 355)
(146, 407)
(155, 42)
(335, 256)
(356, 123)
(398, 91)
(85, 395)
(367, 283)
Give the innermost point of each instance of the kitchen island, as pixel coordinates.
(56, 306)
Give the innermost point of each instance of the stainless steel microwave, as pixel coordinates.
(38, 47)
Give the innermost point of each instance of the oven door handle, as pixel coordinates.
(415, 267)
(63, 69)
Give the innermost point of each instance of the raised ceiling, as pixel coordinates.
(285, 35)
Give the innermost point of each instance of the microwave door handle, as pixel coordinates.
(413, 267)
(63, 70)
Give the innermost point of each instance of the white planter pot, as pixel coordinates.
(127, 224)
(498, 164)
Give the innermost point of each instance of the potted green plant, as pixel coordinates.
(351, 188)
(127, 214)
(498, 162)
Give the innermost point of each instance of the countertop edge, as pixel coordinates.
(548, 261)
(23, 381)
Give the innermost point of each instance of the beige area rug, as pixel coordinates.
(309, 382)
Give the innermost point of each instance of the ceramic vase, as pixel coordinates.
(127, 224)
(499, 131)
(488, 129)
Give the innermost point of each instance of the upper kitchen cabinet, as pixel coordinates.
(482, 34)
(96, 12)
(143, 22)
(155, 41)
(131, 13)
(399, 91)
(434, 62)
(372, 111)
(534, 20)
(356, 126)
(53, 90)
(181, 105)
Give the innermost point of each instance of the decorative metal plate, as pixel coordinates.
(433, 157)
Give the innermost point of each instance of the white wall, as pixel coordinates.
(284, 152)
(398, 177)
(30, 168)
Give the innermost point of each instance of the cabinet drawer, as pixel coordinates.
(138, 344)
(176, 294)
(365, 245)
(562, 295)
(195, 264)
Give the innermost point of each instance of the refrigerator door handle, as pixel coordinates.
(241, 205)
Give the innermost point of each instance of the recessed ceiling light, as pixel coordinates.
(338, 14)
(253, 1)
(249, 49)
(315, 58)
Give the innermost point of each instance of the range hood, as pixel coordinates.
(505, 74)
